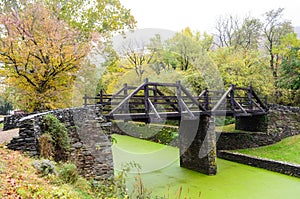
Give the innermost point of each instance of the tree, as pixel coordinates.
(290, 66)
(90, 16)
(5, 106)
(40, 54)
(43, 44)
(274, 28)
(138, 57)
(236, 33)
(188, 45)
(243, 68)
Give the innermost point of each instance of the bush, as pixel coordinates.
(46, 145)
(44, 167)
(68, 173)
(223, 121)
(166, 136)
(59, 135)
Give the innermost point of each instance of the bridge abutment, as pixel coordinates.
(254, 123)
(197, 141)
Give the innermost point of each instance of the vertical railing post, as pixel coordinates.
(266, 100)
(178, 94)
(155, 95)
(206, 100)
(85, 100)
(146, 96)
(249, 89)
(101, 96)
(232, 98)
(125, 89)
(126, 105)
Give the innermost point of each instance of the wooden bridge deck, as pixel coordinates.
(152, 101)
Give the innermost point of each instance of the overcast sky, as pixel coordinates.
(201, 15)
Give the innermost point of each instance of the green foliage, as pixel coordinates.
(166, 136)
(90, 16)
(44, 44)
(5, 106)
(44, 167)
(290, 66)
(157, 133)
(223, 121)
(116, 186)
(59, 135)
(244, 68)
(68, 173)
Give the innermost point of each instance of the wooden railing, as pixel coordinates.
(172, 99)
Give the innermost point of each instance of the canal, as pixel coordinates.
(162, 174)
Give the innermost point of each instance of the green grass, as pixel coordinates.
(1, 125)
(230, 128)
(287, 150)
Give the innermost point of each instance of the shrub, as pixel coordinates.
(44, 167)
(59, 135)
(166, 136)
(68, 173)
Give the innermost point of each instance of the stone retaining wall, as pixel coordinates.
(283, 121)
(272, 165)
(11, 122)
(89, 134)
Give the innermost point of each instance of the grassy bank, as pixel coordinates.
(19, 179)
(287, 150)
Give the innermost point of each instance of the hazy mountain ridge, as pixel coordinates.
(139, 37)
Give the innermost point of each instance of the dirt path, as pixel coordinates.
(6, 136)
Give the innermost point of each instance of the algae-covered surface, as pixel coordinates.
(162, 175)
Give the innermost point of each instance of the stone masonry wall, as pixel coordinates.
(272, 165)
(283, 121)
(11, 122)
(89, 134)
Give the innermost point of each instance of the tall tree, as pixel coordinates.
(43, 44)
(290, 66)
(243, 68)
(188, 45)
(40, 54)
(274, 29)
(101, 16)
(236, 33)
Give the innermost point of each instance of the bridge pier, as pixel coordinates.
(253, 123)
(197, 142)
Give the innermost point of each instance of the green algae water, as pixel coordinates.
(162, 175)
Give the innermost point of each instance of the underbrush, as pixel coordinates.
(24, 177)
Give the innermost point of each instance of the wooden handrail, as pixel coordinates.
(154, 109)
(192, 98)
(187, 109)
(127, 98)
(238, 101)
(222, 99)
